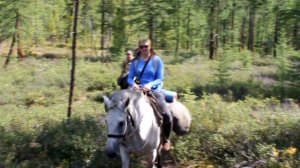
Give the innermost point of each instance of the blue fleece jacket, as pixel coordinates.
(150, 76)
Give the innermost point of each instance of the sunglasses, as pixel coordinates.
(143, 46)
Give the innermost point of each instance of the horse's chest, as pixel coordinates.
(140, 145)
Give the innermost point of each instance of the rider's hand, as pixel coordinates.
(135, 86)
(146, 88)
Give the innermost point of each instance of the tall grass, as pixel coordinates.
(241, 123)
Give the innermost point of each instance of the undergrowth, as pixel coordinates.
(238, 120)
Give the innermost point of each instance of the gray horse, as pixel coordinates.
(133, 129)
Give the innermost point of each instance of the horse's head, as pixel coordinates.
(117, 120)
(131, 126)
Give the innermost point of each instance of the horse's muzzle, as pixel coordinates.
(112, 147)
(111, 154)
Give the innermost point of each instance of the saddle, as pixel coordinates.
(156, 108)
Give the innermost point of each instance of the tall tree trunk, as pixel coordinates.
(213, 29)
(242, 34)
(232, 23)
(7, 60)
(14, 40)
(224, 37)
(72, 78)
(276, 34)
(151, 27)
(92, 39)
(177, 38)
(177, 25)
(260, 32)
(18, 37)
(1, 40)
(296, 39)
(102, 25)
(251, 29)
(213, 45)
(69, 10)
(177, 28)
(188, 31)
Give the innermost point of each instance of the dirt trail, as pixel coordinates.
(168, 161)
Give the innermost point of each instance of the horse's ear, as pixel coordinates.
(106, 103)
(127, 102)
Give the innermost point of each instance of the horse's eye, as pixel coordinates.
(121, 124)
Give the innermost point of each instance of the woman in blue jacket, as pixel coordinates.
(146, 72)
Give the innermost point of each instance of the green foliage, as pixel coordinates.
(120, 38)
(247, 58)
(237, 124)
(176, 26)
(222, 74)
(284, 67)
(243, 105)
(68, 143)
(235, 133)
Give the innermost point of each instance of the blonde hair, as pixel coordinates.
(147, 40)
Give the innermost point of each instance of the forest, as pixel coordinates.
(234, 63)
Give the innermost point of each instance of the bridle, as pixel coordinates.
(115, 136)
(123, 138)
(129, 120)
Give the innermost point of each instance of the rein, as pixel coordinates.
(118, 136)
(135, 127)
(124, 133)
(115, 136)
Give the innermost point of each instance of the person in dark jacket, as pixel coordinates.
(122, 79)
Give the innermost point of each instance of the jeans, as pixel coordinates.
(167, 116)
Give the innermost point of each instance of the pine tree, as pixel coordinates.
(12, 15)
(119, 34)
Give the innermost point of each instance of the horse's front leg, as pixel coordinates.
(125, 156)
(153, 159)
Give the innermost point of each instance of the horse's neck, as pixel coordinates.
(146, 131)
(148, 121)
